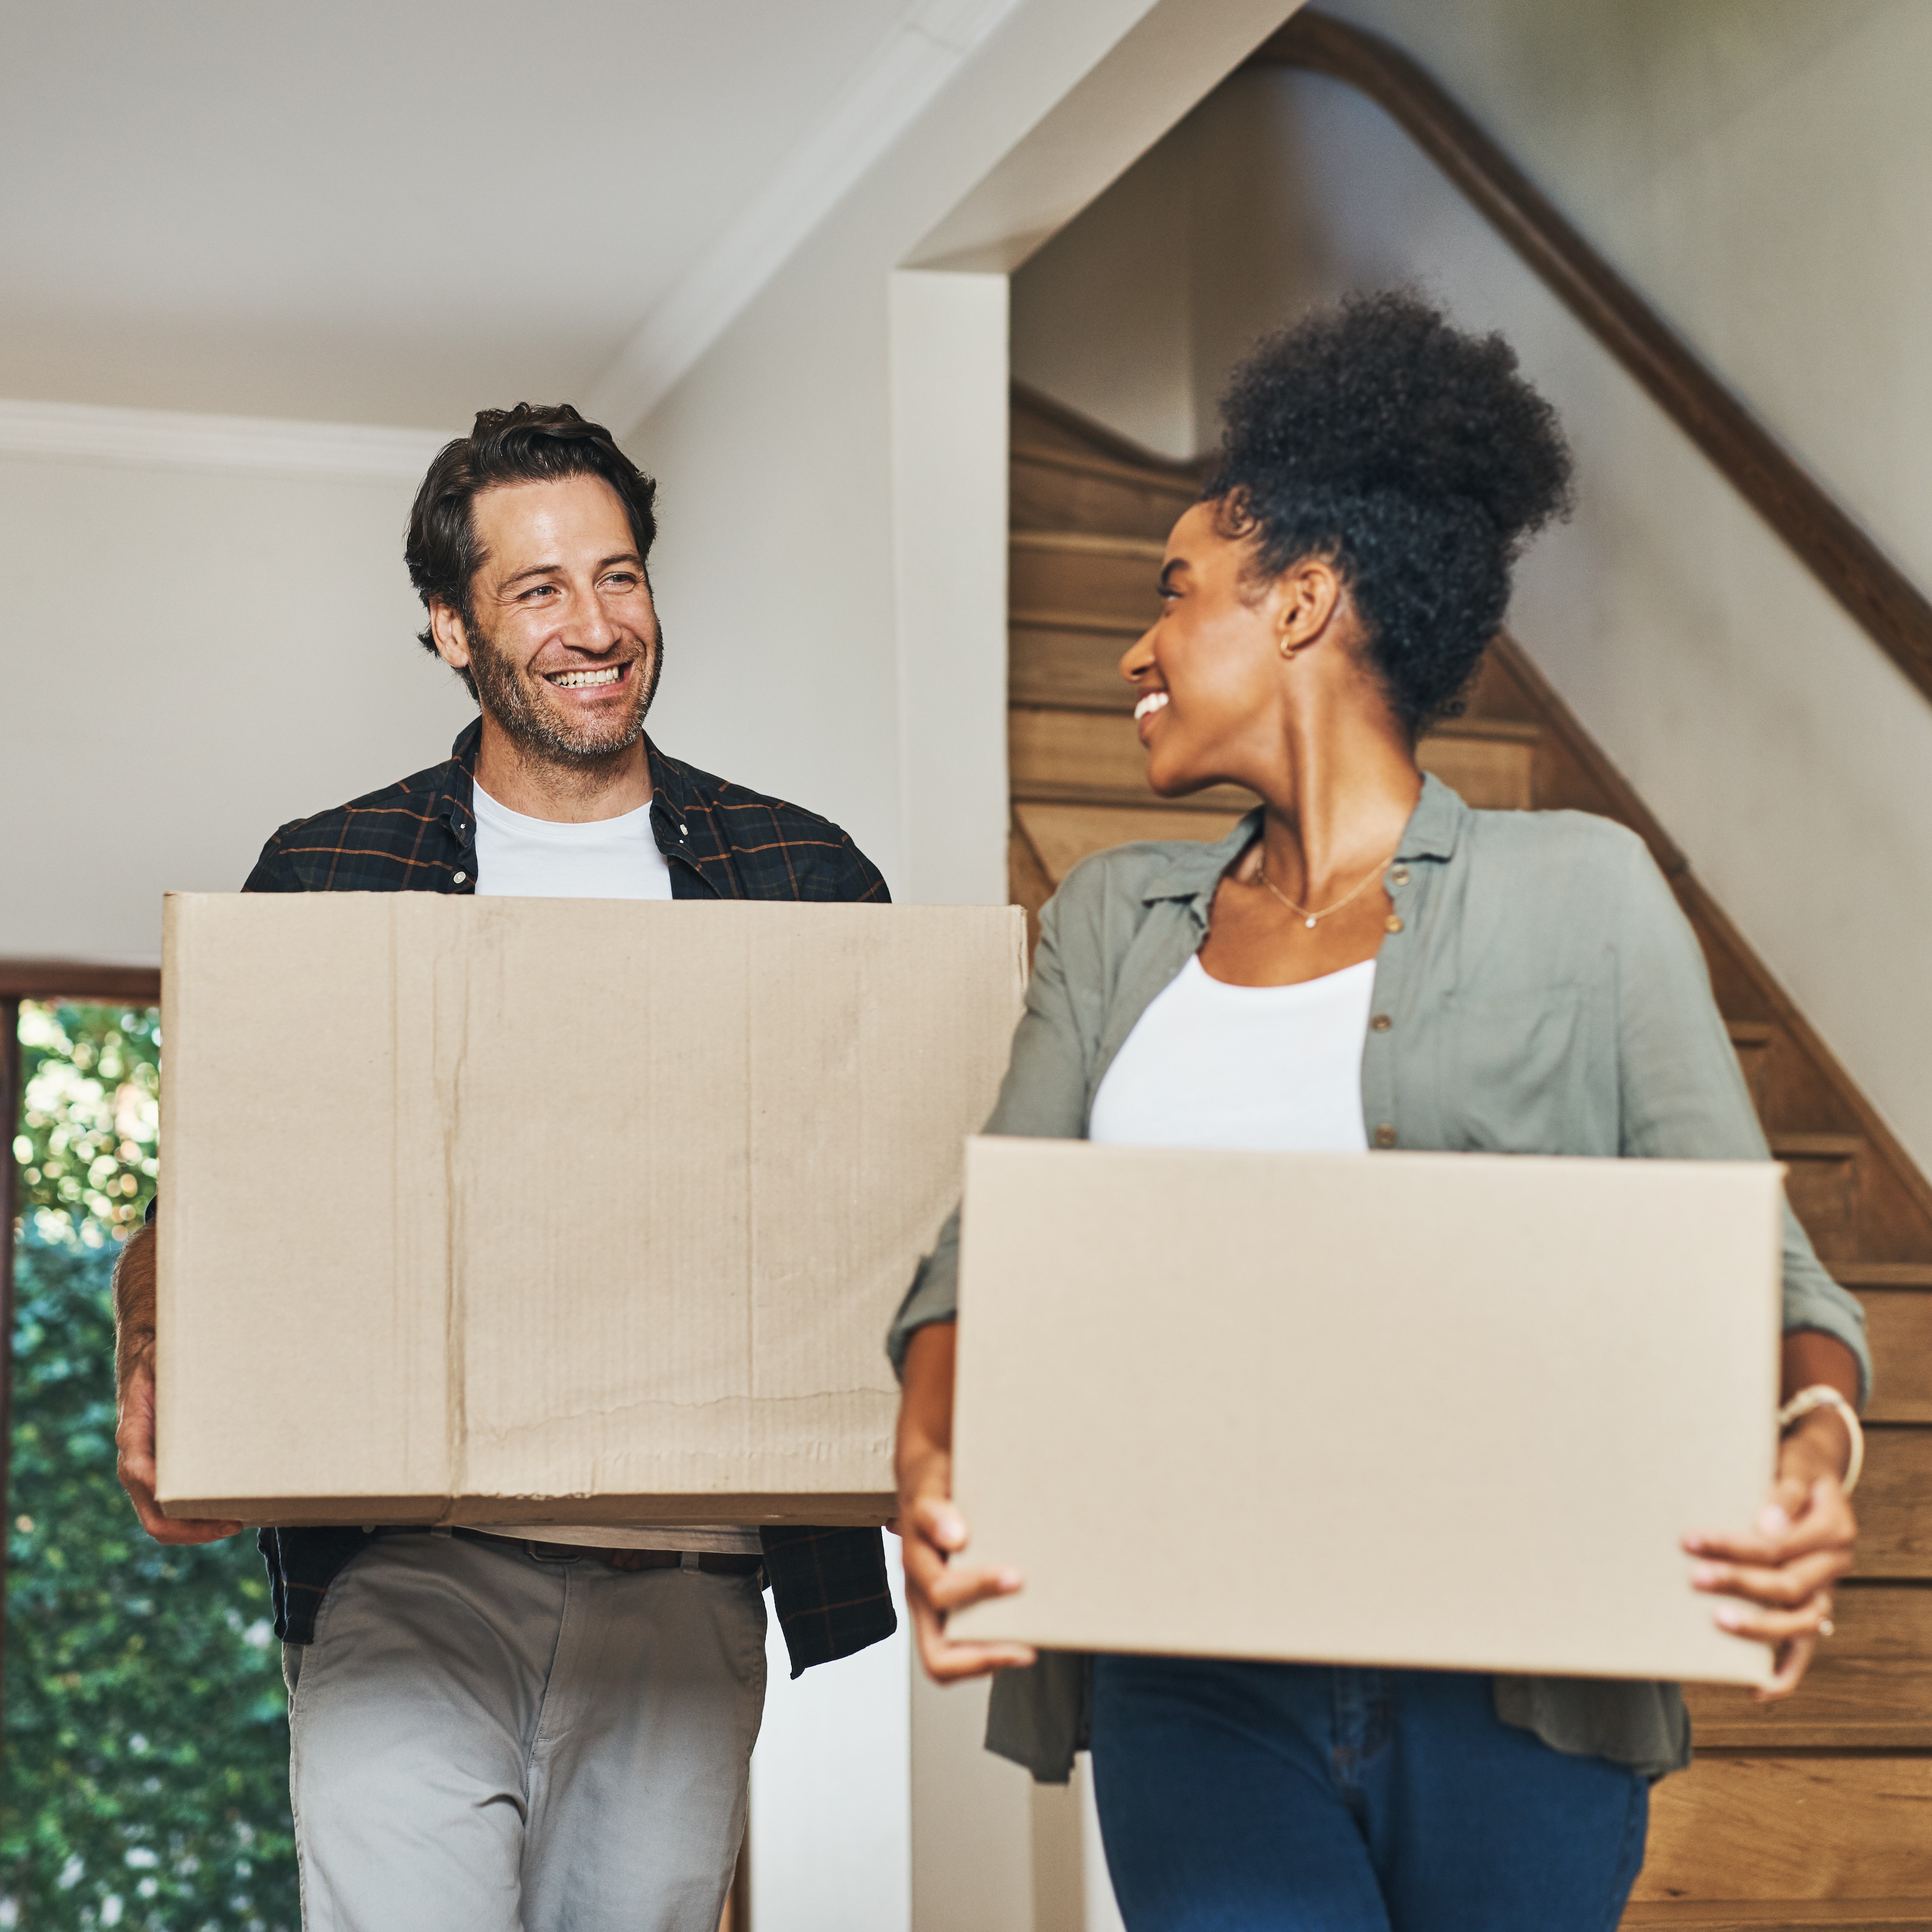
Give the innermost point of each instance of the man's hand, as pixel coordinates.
(933, 1531)
(134, 1397)
(134, 1438)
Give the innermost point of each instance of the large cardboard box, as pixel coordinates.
(1435, 1410)
(555, 1210)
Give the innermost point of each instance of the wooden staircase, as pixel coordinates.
(1816, 1812)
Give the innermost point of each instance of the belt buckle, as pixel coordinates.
(535, 1551)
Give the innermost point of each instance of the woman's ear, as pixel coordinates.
(1303, 601)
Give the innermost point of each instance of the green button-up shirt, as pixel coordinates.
(1544, 995)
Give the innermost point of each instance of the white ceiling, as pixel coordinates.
(385, 210)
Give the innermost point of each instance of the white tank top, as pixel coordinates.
(1209, 1065)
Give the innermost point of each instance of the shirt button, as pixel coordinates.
(1384, 1135)
(1399, 876)
(460, 877)
(1393, 922)
(1382, 1023)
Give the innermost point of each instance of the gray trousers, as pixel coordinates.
(481, 1742)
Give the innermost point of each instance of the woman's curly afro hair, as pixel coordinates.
(1413, 458)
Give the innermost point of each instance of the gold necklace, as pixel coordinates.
(1301, 912)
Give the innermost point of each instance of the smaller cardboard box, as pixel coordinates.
(555, 1210)
(1446, 1411)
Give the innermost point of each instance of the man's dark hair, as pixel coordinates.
(1413, 458)
(534, 442)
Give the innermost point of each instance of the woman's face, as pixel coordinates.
(1209, 671)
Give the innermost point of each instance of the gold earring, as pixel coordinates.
(1288, 650)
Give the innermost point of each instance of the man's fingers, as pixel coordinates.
(137, 1478)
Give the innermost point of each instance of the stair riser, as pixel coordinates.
(1868, 1688)
(1047, 496)
(1094, 584)
(1776, 1829)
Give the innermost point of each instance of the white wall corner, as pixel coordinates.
(949, 384)
(182, 439)
(923, 51)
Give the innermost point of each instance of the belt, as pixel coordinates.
(713, 1562)
(718, 1562)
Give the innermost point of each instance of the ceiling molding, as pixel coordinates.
(253, 445)
(932, 41)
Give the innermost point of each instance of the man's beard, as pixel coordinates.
(503, 689)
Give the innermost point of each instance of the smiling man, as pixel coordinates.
(534, 1730)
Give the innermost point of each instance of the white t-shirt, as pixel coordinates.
(610, 858)
(1210, 1065)
(546, 859)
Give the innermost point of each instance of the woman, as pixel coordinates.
(1364, 960)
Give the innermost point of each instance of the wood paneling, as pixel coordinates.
(1792, 1828)
(1063, 835)
(1092, 757)
(1074, 666)
(1058, 489)
(1079, 571)
(1492, 766)
(1862, 1915)
(1894, 1506)
(1869, 1689)
(1898, 1325)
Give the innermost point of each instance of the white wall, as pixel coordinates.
(834, 472)
(1756, 169)
(187, 659)
(831, 1817)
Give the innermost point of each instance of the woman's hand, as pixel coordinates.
(1780, 1574)
(933, 1531)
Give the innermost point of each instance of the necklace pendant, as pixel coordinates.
(1311, 926)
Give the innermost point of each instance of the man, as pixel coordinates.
(533, 1730)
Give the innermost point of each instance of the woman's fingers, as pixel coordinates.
(1793, 1659)
(1762, 1624)
(1783, 1587)
(1795, 1522)
(939, 1522)
(959, 1585)
(947, 1662)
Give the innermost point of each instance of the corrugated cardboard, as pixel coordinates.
(603, 1204)
(1435, 1410)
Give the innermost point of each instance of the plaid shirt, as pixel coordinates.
(721, 841)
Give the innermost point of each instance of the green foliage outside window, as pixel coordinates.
(146, 1737)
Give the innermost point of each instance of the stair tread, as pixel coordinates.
(1818, 1147)
(1850, 1915)
(1881, 1274)
(1088, 543)
(1102, 467)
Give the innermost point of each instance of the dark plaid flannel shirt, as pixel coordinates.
(721, 841)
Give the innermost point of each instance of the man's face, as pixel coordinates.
(562, 639)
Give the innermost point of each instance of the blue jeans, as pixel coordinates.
(1301, 1798)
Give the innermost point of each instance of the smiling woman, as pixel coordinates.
(1366, 963)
